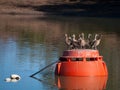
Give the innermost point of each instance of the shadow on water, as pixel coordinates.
(82, 8)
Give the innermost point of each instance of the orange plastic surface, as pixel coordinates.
(81, 68)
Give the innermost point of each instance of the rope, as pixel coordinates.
(43, 69)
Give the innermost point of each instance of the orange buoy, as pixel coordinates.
(81, 62)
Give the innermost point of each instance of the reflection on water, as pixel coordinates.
(81, 83)
(29, 43)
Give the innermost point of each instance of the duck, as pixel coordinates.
(96, 41)
(93, 41)
(68, 41)
(8, 79)
(82, 41)
(88, 41)
(74, 42)
(13, 78)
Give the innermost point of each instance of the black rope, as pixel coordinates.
(43, 68)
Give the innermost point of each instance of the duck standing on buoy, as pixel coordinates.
(83, 59)
(96, 41)
(82, 43)
(13, 78)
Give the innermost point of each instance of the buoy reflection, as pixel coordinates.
(81, 83)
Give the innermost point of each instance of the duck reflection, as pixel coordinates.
(81, 83)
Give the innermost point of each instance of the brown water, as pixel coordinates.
(29, 43)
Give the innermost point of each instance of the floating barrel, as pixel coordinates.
(81, 62)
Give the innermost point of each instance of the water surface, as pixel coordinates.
(29, 43)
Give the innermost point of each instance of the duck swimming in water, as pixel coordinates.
(13, 78)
